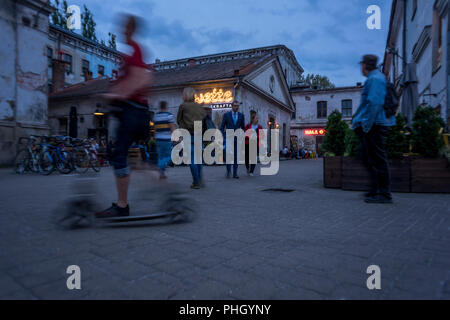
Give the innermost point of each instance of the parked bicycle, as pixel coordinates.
(45, 154)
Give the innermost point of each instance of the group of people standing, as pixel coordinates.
(190, 112)
(370, 123)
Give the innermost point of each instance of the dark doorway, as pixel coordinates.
(319, 142)
(73, 123)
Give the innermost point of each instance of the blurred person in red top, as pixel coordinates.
(253, 125)
(130, 95)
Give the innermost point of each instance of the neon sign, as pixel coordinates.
(215, 96)
(315, 132)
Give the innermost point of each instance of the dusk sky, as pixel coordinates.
(327, 36)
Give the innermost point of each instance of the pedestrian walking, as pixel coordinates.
(233, 120)
(253, 125)
(164, 126)
(188, 113)
(371, 125)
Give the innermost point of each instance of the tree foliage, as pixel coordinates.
(88, 24)
(426, 137)
(336, 130)
(396, 141)
(316, 80)
(59, 16)
(112, 41)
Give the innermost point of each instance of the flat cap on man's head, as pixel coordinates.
(370, 60)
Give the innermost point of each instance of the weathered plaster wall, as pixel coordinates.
(23, 74)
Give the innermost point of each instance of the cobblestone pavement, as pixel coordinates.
(246, 243)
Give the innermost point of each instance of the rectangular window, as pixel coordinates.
(50, 57)
(321, 109)
(347, 108)
(437, 39)
(101, 70)
(67, 58)
(84, 68)
(414, 9)
(115, 74)
(63, 125)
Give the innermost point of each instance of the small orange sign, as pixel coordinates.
(315, 132)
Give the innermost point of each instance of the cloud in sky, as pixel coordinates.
(327, 36)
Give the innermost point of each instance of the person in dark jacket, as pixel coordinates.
(233, 120)
(188, 113)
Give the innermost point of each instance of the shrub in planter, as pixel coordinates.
(426, 137)
(431, 173)
(396, 141)
(334, 147)
(336, 130)
(352, 144)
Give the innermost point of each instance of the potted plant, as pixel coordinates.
(430, 172)
(334, 148)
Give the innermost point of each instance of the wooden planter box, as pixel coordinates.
(409, 174)
(332, 172)
(430, 175)
(356, 177)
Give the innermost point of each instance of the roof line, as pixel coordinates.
(299, 90)
(80, 37)
(221, 54)
(281, 46)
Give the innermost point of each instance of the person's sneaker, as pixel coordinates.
(195, 186)
(369, 194)
(252, 175)
(113, 212)
(379, 198)
(236, 177)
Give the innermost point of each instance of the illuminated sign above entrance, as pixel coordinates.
(216, 96)
(315, 132)
(221, 106)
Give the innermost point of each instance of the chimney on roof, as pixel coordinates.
(192, 62)
(157, 61)
(58, 75)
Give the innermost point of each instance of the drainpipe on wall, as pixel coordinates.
(405, 5)
(16, 68)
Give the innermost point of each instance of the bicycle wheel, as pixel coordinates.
(81, 162)
(63, 163)
(22, 163)
(95, 163)
(45, 163)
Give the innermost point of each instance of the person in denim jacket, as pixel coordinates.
(371, 126)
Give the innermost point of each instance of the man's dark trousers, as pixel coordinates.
(374, 156)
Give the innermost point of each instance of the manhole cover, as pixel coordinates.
(278, 190)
